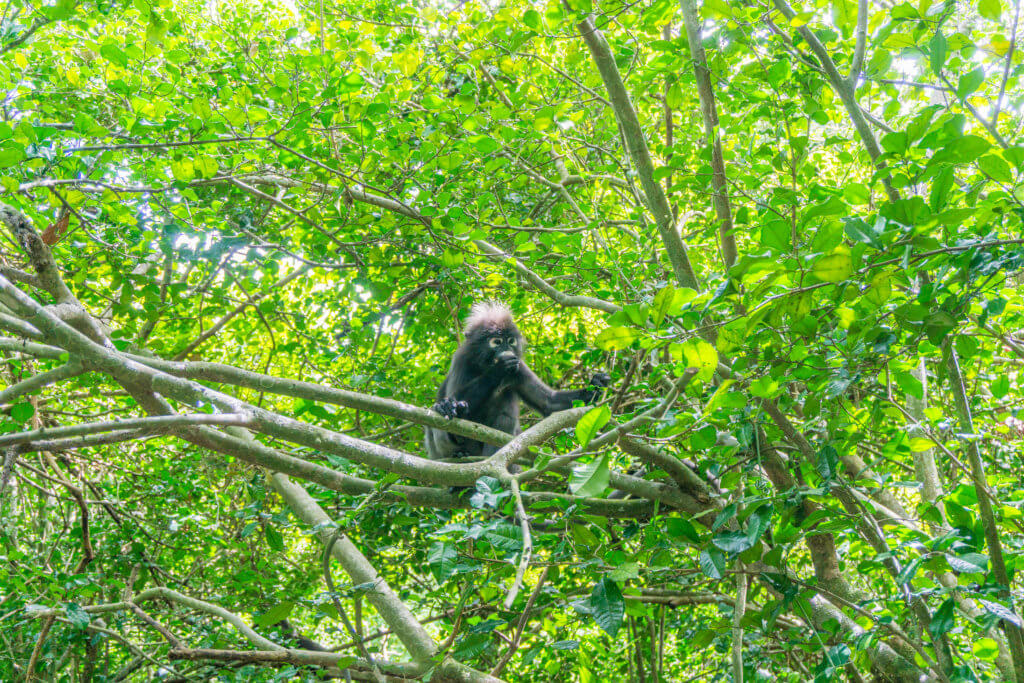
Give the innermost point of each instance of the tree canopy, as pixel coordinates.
(240, 240)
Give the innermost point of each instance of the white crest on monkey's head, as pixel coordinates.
(489, 314)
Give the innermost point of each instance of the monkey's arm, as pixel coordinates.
(546, 400)
(466, 399)
(463, 399)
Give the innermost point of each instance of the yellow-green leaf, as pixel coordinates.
(698, 354)
(834, 267)
(662, 303)
(590, 423)
(920, 445)
(183, 170)
(674, 96)
(880, 289)
(617, 338)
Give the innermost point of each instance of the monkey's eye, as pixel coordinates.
(494, 342)
(511, 341)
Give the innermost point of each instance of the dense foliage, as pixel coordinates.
(239, 242)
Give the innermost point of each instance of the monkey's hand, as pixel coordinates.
(451, 408)
(600, 380)
(508, 366)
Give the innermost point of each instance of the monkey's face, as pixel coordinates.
(503, 347)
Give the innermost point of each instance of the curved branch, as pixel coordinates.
(636, 146)
(543, 285)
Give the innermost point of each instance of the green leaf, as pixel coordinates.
(857, 193)
(274, 538)
(113, 53)
(944, 618)
(699, 354)
(275, 614)
(183, 170)
(828, 461)
(880, 289)
(859, 231)
(712, 563)
(985, 648)
(968, 564)
(937, 52)
(590, 479)
(205, 166)
(674, 96)
(10, 153)
(532, 19)
(777, 235)
(607, 606)
(681, 528)
(441, 558)
(625, 572)
(662, 304)
(996, 168)
(970, 82)
(78, 617)
(590, 423)
(990, 9)
(22, 412)
(834, 267)
(921, 445)
(617, 338)
(1001, 611)
(733, 542)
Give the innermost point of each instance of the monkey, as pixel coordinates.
(488, 378)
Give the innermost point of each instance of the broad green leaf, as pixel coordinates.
(113, 53)
(857, 194)
(617, 338)
(441, 558)
(591, 423)
(834, 267)
(970, 82)
(674, 97)
(828, 462)
(712, 563)
(590, 479)
(22, 412)
(625, 572)
(937, 52)
(409, 60)
(860, 231)
(205, 166)
(697, 353)
(731, 335)
(732, 542)
(78, 617)
(972, 564)
(921, 445)
(275, 614)
(681, 528)
(1001, 611)
(990, 9)
(996, 168)
(986, 649)
(662, 304)
(10, 153)
(880, 289)
(183, 170)
(607, 606)
(777, 235)
(274, 538)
